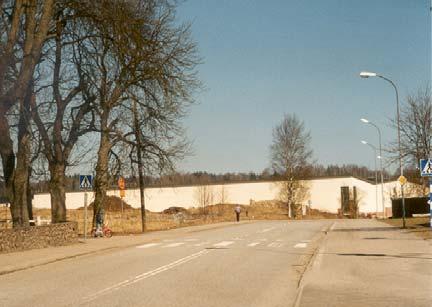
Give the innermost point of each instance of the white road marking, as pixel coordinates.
(145, 275)
(174, 244)
(332, 226)
(300, 245)
(202, 243)
(254, 244)
(223, 244)
(266, 230)
(275, 244)
(191, 239)
(148, 245)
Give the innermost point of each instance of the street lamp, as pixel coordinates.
(367, 74)
(380, 158)
(376, 176)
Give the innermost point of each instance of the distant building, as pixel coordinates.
(324, 195)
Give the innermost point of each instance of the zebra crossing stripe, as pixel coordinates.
(148, 245)
(254, 244)
(300, 245)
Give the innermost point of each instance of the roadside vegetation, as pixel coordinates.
(417, 225)
(107, 82)
(129, 221)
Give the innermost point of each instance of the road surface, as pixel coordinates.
(251, 264)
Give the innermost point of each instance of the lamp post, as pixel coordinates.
(364, 120)
(366, 74)
(376, 175)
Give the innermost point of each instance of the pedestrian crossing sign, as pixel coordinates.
(86, 182)
(426, 167)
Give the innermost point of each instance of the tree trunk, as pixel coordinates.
(21, 176)
(58, 194)
(8, 162)
(101, 177)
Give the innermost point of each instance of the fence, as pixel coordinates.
(413, 205)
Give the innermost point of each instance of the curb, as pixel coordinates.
(310, 264)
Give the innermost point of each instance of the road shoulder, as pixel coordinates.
(368, 263)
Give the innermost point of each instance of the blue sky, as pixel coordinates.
(262, 59)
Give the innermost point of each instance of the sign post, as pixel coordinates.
(430, 202)
(122, 185)
(86, 183)
(85, 215)
(426, 171)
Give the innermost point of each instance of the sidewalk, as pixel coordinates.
(11, 262)
(369, 263)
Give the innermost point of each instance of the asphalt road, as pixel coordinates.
(253, 264)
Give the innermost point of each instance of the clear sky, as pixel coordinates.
(262, 59)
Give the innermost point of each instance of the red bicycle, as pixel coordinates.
(104, 232)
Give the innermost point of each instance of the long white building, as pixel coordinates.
(324, 195)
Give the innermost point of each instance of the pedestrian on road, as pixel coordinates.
(237, 211)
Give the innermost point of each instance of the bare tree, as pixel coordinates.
(138, 59)
(24, 27)
(291, 158)
(416, 131)
(204, 197)
(61, 114)
(223, 195)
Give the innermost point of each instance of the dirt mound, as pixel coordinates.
(174, 210)
(268, 204)
(317, 214)
(113, 203)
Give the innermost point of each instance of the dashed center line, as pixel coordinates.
(223, 244)
(174, 244)
(143, 276)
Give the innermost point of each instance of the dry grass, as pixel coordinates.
(418, 225)
(130, 220)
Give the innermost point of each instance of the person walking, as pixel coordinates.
(237, 212)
